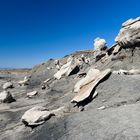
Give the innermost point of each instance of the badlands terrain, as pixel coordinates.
(90, 94)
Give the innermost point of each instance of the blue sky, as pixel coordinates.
(32, 31)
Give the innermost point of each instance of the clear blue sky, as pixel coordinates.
(32, 31)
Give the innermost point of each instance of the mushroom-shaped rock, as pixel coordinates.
(6, 97)
(36, 116)
(87, 88)
(31, 94)
(8, 85)
(99, 44)
(129, 34)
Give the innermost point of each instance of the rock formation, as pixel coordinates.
(103, 85)
(129, 34)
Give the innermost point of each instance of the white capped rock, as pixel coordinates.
(6, 97)
(99, 43)
(36, 116)
(8, 85)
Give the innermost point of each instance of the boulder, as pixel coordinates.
(129, 34)
(6, 97)
(8, 85)
(36, 116)
(31, 94)
(88, 86)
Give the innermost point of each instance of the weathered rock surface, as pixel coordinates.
(87, 87)
(129, 34)
(36, 116)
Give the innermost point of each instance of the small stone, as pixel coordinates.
(31, 94)
(101, 108)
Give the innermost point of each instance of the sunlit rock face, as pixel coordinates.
(129, 34)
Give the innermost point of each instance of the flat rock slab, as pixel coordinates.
(66, 69)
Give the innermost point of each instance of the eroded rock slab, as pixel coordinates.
(85, 90)
(129, 34)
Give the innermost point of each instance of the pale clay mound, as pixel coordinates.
(92, 94)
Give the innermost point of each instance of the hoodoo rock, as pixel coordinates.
(129, 34)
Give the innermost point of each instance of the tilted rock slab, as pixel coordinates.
(7, 85)
(129, 34)
(65, 70)
(92, 74)
(6, 97)
(85, 90)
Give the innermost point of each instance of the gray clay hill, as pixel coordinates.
(88, 95)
